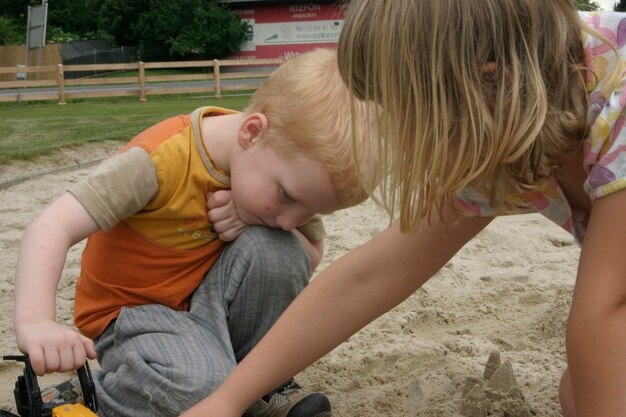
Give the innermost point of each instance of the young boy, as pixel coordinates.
(165, 331)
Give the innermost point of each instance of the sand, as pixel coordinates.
(483, 337)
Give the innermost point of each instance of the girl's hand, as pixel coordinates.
(208, 410)
(218, 404)
(52, 347)
(223, 215)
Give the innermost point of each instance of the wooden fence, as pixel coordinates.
(136, 85)
(13, 55)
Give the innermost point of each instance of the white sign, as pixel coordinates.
(321, 31)
(36, 34)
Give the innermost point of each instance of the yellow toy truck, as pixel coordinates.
(28, 399)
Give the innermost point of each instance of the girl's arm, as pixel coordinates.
(350, 293)
(596, 331)
(51, 346)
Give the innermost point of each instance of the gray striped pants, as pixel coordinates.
(159, 362)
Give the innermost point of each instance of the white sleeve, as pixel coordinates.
(119, 187)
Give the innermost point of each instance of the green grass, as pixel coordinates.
(34, 129)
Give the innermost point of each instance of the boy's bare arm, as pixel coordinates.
(51, 346)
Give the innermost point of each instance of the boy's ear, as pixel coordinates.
(252, 129)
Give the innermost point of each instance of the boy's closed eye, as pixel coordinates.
(286, 195)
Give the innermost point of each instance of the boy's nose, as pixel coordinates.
(289, 221)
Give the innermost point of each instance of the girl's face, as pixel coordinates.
(274, 191)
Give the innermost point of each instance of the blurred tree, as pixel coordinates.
(164, 29)
(16, 8)
(10, 32)
(67, 20)
(13, 16)
(620, 6)
(191, 29)
(72, 16)
(587, 5)
(120, 17)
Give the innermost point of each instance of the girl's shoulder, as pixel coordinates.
(605, 147)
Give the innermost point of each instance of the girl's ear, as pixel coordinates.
(491, 83)
(252, 129)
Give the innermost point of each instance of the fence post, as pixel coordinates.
(142, 82)
(61, 83)
(216, 78)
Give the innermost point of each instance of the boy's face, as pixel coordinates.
(274, 191)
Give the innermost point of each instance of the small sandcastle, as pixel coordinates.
(495, 394)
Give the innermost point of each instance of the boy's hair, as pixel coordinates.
(450, 124)
(308, 107)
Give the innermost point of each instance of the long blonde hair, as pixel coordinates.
(447, 122)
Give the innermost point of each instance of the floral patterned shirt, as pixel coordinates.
(604, 148)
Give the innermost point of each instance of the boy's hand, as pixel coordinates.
(53, 347)
(223, 215)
